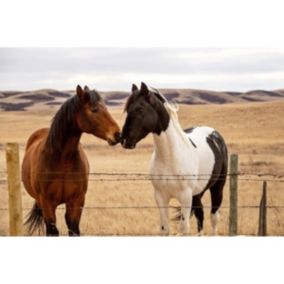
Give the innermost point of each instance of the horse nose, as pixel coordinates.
(117, 136)
(114, 138)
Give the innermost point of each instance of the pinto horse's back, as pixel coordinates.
(209, 144)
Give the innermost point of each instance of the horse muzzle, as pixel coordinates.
(117, 139)
(127, 145)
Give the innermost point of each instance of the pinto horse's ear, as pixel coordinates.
(134, 88)
(146, 93)
(144, 89)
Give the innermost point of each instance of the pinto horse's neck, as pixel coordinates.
(171, 140)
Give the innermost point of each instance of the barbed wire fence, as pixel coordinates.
(139, 176)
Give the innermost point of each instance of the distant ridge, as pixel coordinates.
(20, 101)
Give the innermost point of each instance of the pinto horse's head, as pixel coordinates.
(94, 118)
(145, 114)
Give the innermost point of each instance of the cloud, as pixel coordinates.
(117, 68)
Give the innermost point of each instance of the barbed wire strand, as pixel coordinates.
(47, 176)
(127, 179)
(155, 207)
(157, 175)
(153, 178)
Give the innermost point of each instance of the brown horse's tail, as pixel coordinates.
(34, 219)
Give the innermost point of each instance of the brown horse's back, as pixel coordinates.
(30, 161)
(36, 136)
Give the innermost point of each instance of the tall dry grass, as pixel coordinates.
(255, 131)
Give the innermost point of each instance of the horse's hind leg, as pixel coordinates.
(216, 199)
(197, 208)
(48, 211)
(73, 215)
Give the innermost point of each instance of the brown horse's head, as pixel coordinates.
(93, 117)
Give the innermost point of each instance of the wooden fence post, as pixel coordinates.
(262, 223)
(233, 215)
(14, 189)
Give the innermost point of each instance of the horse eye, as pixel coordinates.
(94, 109)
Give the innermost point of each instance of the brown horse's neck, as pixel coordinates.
(65, 149)
(64, 134)
(71, 147)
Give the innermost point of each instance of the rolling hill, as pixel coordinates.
(20, 101)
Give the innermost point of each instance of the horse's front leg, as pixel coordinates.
(162, 203)
(186, 203)
(73, 215)
(49, 216)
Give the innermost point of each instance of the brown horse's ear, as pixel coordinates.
(144, 89)
(80, 92)
(86, 89)
(134, 88)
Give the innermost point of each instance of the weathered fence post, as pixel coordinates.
(262, 223)
(233, 215)
(14, 189)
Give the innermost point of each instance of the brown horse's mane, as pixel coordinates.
(63, 123)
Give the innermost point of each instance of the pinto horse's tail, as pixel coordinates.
(177, 213)
(195, 208)
(34, 219)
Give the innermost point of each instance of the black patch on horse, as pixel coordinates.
(189, 130)
(217, 180)
(146, 114)
(158, 95)
(219, 149)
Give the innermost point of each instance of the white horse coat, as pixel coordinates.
(180, 169)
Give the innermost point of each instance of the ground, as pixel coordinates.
(253, 130)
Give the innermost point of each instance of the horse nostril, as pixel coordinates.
(117, 136)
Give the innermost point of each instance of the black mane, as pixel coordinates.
(157, 93)
(63, 124)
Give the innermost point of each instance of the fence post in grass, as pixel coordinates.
(14, 189)
(233, 214)
(262, 223)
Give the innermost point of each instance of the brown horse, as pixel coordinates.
(55, 168)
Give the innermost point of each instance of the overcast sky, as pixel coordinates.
(117, 68)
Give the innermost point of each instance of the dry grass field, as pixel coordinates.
(253, 130)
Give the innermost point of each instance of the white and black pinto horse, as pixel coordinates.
(196, 158)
